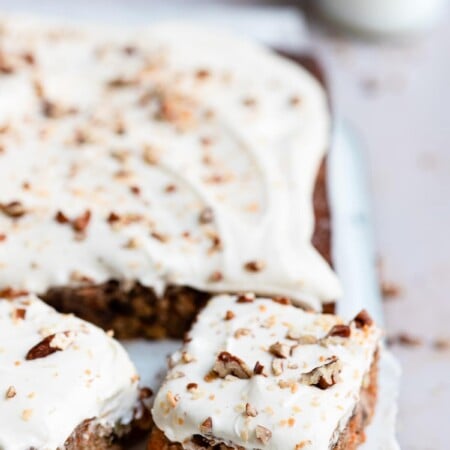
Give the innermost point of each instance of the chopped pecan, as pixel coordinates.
(363, 319)
(247, 297)
(242, 332)
(340, 331)
(254, 266)
(60, 217)
(13, 209)
(53, 110)
(229, 315)
(325, 375)
(263, 434)
(206, 426)
(10, 392)
(11, 294)
(19, 314)
(250, 410)
(192, 386)
(228, 364)
(206, 216)
(259, 369)
(280, 350)
(215, 277)
(51, 344)
(282, 300)
(80, 223)
(277, 366)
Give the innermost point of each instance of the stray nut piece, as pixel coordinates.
(363, 319)
(228, 364)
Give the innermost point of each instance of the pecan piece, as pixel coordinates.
(254, 266)
(250, 410)
(206, 216)
(13, 209)
(10, 392)
(247, 297)
(277, 366)
(51, 344)
(228, 364)
(340, 331)
(280, 350)
(325, 375)
(229, 315)
(363, 319)
(263, 434)
(80, 223)
(259, 369)
(206, 426)
(215, 277)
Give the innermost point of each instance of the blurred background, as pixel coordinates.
(388, 67)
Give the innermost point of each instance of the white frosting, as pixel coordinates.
(296, 415)
(43, 400)
(234, 128)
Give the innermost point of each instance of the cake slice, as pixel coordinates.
(64, 383)
(158, 166)
(262, 374)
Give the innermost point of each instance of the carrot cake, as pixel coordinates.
(262, 374)
(64, 384)
(144, 170)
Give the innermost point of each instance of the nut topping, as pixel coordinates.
(10, 392)
(280, 350)
(254, 266)
(228, 364)
(259, 369)
(263, 434)
(215, 277)
(206, 426)
(363, 319)
(51, 344)
(229, 315)
(277, 366)
(80, 223)
(250, 410)
(247, 297)
(13, 209)
(340, 331)
(323, 376)
(206, 216)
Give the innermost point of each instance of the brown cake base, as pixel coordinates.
(350, 438)
(88, 436)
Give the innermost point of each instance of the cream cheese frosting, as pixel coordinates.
(169, 155)
(249, 376)
(76, 373)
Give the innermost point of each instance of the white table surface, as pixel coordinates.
(397, 97)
